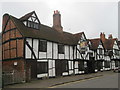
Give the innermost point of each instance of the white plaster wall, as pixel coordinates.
(27, 50)
(75, 53)
(76, 71)
(49, 49)
(70, 64)
(78, 54)
(42, 75)
(70, 72)
(76, 64)
(51, 68)
(71, 52)
(35, 47)
(55, 51)
(61, 56)
(65, 73)
(42, 55)
(66, 52)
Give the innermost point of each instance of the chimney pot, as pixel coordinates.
(57, 21)
(110, 36)
(102, 36)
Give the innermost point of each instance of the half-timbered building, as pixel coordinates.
(114, 53)
(111, 50)
(38, 50)
(106, 52)
(97, 47)
(84, 61)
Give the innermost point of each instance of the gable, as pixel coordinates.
(115, 45)
(5, 20)
(10, 25)
(82, 38)
(100, 45)
(31, 20)
(10, 31)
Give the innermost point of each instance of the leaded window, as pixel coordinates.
(60, 49)
(43, 45)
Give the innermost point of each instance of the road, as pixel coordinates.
(106, 81)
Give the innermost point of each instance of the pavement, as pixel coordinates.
(51, 82)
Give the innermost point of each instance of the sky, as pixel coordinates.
(89, 16)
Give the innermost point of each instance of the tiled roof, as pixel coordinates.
(25, 17)
(108, 44)
(45, 32)
(94, 43)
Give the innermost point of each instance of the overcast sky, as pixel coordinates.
(90, 17)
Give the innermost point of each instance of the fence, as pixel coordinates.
(12, 77)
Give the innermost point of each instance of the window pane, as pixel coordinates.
(42, 67)
(100, 50)
(28, 24)
(81, 65)
(61, 49)
(42, 46)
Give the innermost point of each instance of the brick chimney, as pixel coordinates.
(110, 36)
(102, 36)
(57, 21)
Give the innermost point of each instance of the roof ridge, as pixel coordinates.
(78, 33)
(26, 16)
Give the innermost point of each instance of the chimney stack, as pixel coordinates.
(110, 36)
(102, 36)
(57, 21)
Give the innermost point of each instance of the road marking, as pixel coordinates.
(75, 82)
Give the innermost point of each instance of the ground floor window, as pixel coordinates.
(99, 65)
(96, 66)
(107, 64)
(116, 63)
(81, 65)
(42, 67)
(64, 65)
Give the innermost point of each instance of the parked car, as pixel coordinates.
(117, 70)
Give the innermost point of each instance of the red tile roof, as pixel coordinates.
(94, 43)
(108, 44)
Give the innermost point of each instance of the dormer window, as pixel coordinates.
(31, 20)
(33, 25)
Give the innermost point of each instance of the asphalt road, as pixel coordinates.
(106, 81)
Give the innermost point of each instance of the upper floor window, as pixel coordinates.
(43, 45)
(100, 50)
(116, 52)
(91, 54)
(61, 49)
(33, 25)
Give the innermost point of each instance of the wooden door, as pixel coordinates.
(32, 68)
(58, 68)
(91, 65)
